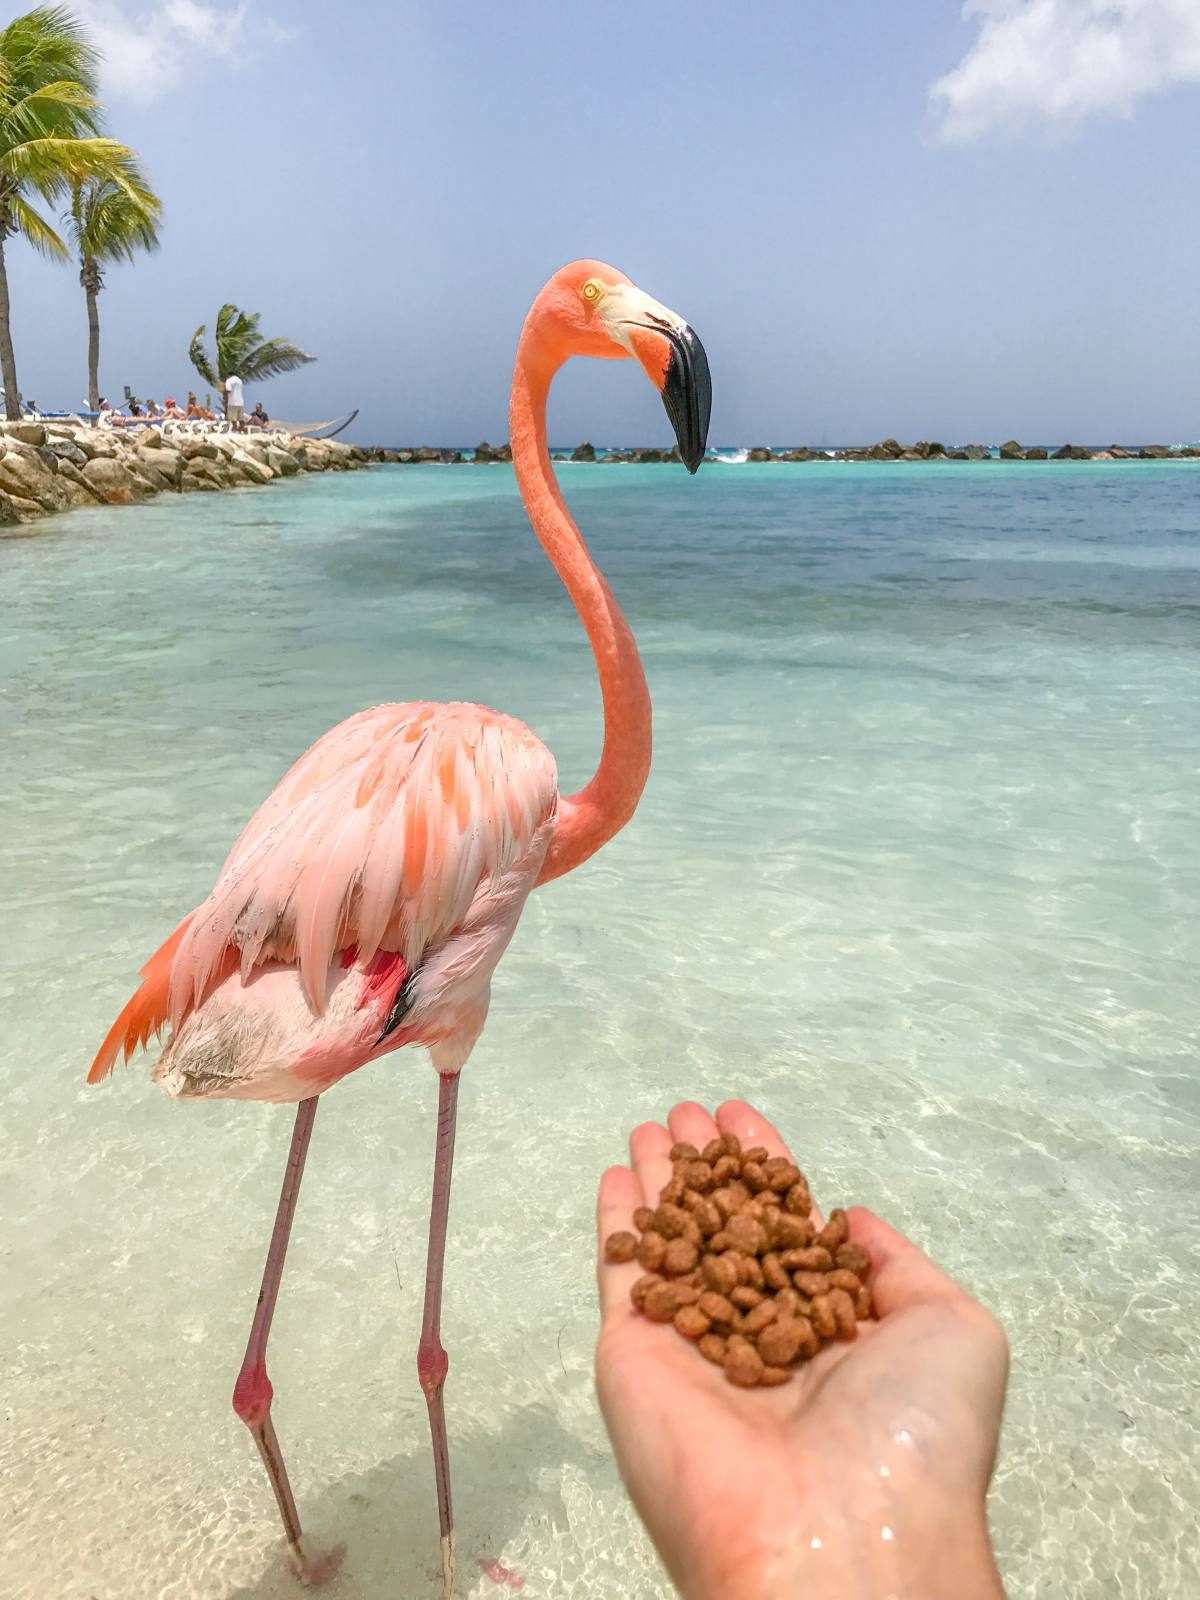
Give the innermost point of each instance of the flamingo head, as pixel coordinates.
(589, 309)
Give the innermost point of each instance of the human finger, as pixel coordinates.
(902, 1275)
(690, 1123)
(620, 1195)
(650, 1149)
(751, 1127)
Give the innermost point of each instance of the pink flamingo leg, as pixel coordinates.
(252, 1393)
(432, 1361)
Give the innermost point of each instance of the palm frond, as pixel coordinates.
(109, 222)
(198, 356)
(271, 358)
(37, 231)
(50, 165)
(46, 45)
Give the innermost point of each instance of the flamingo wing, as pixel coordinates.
(378, 838)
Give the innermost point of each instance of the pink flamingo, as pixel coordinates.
(368, 900)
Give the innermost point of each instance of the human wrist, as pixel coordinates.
(883, 1554)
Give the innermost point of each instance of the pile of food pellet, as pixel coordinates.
(734, 1260)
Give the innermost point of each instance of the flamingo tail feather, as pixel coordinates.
(147, 1010)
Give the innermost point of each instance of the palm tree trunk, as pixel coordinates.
(93, 314)
(8, 361)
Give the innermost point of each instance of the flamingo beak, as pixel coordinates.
(687, 394)
(672, 357)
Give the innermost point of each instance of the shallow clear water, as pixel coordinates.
(916, 870)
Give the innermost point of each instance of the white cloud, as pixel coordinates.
(1050, 63)
(147, 49)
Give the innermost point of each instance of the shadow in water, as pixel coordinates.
(387, 1516)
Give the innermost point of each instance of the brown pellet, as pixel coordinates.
(662, 1302)
(680, 1256)
(756, 1153)
(748, 1236)
(752, 1273)
(712, 1348)
(673, 1193)
(772, 1377)
(761, 1315)
(853, 1257)
(811, 1259)
(863, 1304)
(793, 1233)
(697, 1175)
(641, 1288)
(713, 1150)
(798, 1200)
(732, 1144)
(720, 1273)
(843, 1278)
(810, 1283)
(754, 1176)
(643, 1218)
(717, 1308)
(774, 1273)
(744, 1366)
(843, 1313)
(620, 1247)
(835, 1232)
(691, 1322)
(671, 1220)
(781, 1174)
(724, 1168)
(652, 1247)
(706, 1215)
(683, 1151)
(745, 1298)
(823, 1319)
(780, 1341)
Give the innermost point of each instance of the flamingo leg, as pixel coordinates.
(253, 1391)
(432, 1361)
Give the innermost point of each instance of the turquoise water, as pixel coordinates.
(916, 869)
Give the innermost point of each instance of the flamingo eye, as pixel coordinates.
(591, 291)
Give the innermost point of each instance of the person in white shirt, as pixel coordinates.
(235, 403)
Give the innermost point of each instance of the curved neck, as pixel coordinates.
(590, 818)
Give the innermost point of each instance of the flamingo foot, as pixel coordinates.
(315, 1567)
(499, 1573)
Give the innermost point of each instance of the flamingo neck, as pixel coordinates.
(590, 818)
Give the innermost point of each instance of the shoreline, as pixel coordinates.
(884, 450)
(48, 467)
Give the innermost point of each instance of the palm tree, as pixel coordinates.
(49, 121)
(240, 350)
(108, 222)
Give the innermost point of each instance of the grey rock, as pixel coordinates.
(1010, 450)
(114, 481)
(1036, 452)
(286, 465)
(1071, 452)
(584, 452)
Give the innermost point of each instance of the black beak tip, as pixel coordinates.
(687, 396)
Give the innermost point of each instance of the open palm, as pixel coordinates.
(874, 1457)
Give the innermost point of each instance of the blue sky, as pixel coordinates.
(926, 220)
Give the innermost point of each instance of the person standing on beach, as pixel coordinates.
(235, 401)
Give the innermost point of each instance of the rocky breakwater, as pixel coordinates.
(56, 466)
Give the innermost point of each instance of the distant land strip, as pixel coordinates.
(884, 450)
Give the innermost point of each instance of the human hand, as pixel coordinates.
(864, 1476)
